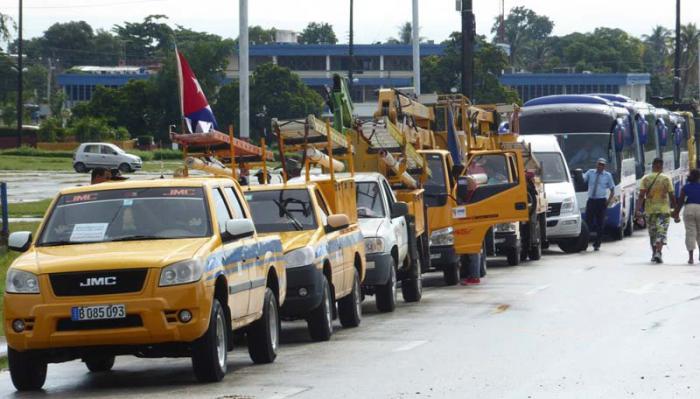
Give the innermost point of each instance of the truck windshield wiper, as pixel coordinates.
(297, 225)
(62, 242)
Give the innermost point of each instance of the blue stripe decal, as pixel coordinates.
(225, 260)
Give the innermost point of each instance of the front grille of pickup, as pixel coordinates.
(98, 283)
(131, 320)
(554, 209)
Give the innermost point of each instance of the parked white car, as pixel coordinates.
(564, 224)
(106, 155)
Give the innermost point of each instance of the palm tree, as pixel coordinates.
(689, 55)
(659, 44)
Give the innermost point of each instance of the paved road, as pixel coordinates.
(596, 325)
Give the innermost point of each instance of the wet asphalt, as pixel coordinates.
(594, 325)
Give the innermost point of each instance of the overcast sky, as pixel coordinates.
(375, 20)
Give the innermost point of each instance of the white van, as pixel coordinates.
(564, 224)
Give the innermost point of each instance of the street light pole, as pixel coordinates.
(416, 49)
(243, 71)
(467, 48)
(351, 48)
(677, 60)
(20, 109)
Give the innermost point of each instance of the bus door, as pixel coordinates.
(493, 190)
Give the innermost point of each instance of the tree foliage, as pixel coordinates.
(145, 40)
(523, 30)
(443, 74)
(318, 33)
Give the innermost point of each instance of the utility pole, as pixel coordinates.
(351, 49)
(677, 60)
(699, 69)
(48, 85)
(467, 48)
(20, 107)
(416, 49)
(243, 71)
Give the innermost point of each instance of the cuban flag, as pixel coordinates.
(193, 104)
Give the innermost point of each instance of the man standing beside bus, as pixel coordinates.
(600, 182)
(655, 194)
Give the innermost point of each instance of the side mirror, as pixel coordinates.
(239, 228)
(20, 241)
(337, 222)
(579, 183)
(399, 209)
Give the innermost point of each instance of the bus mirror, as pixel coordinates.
(579, 183)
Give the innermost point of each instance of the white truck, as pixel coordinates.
(564, 224)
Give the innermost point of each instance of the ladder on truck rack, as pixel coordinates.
(202, 151)
(384, 136)
(319, 143)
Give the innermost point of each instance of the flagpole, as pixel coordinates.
(243, 73)
(180, 90)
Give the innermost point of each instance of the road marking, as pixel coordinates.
(645, 289)
(537, 289)
(410, 345)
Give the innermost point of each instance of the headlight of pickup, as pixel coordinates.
(568, 205)
(506, 227)
(442, 237)
(21, 282)
(300, 257)
(374, 245)
(186, 271)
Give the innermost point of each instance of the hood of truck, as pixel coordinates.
(558, 192)
(292, 240)
(374, 227)
(110, 256)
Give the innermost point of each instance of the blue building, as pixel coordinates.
(533, 85)
(376, 66)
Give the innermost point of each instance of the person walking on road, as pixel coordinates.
(655, 194)
(690, 197)
(600, 182)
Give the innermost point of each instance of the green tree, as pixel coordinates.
(70, 42)
(8, 79)
(523, 28)
(690, 36)
(108, 49)
(443, 74)
(6, 26)
(318, 33)
(92, 129)
(145, 40)
(226, 105)
(260, 35)
(34, 79)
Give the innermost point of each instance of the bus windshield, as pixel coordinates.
(582, 150)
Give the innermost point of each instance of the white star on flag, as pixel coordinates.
(196, 83)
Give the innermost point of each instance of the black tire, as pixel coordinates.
(27, 370)
(450, 273)
(483, 262)
(80, 167)
(618, 233)
(535, 251)
(209, 352)
(513, 255)
(385, 295)
(320, 321)
(584, 238)
(99, 363)
(576, 244)
(125, 168)
(264, 334)
(350, 306)
(412, 288)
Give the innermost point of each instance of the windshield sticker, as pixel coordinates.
(88, 232)
(180, 192)
(81, 198)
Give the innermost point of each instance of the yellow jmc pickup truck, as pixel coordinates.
(159, 268)
(323, 246)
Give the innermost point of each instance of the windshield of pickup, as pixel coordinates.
(553, 167)
(369, 200)
(127, 215)
(277, 211)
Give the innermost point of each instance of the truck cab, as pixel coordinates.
(156, 268)
(323, 248)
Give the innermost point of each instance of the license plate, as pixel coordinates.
(98, 312)
(435, 256)
(370, 265)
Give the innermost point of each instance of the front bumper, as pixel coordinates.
(309, 278)
(441, 256)
(563, 227)
(136, 166)
(152, 316)
(378, 269)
